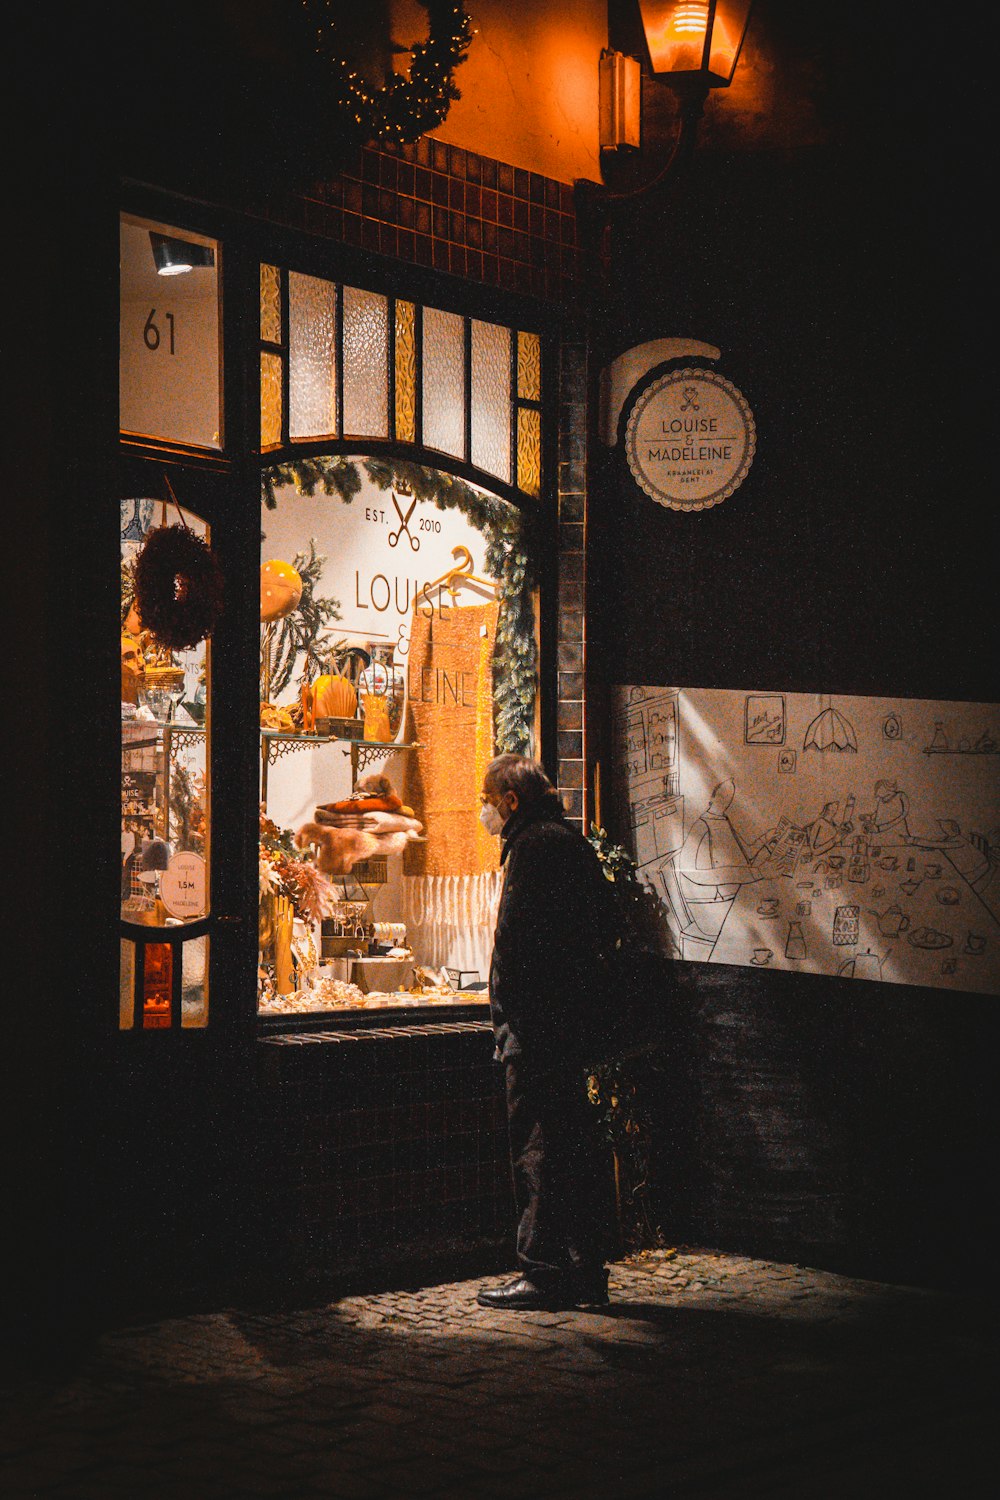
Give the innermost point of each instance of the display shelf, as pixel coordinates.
(276, 743)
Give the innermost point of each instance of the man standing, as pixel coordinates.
(548, 979)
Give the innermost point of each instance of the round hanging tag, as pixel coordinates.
(183, 886)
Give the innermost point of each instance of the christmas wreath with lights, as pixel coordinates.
(178, 587)
(405, 108)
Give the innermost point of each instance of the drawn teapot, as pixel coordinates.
(865, 965)
(892, 921)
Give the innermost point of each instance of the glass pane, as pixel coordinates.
(164, 719)
(444, 382)
(366, 364)
(170, 353)
(126, 986)
(194, 982)
(270, 400)
(157, 980)
(529, 367)
(406, 373)
(312, 400)
(270, 304)
(491, 398)
(529, 450)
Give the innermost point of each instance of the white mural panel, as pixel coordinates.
(849, 836)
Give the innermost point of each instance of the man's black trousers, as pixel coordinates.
(562, 1173)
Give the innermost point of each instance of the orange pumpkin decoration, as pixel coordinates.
(334, 698)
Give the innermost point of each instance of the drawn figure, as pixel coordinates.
(892, 727)
(704, 879)
(891, 808)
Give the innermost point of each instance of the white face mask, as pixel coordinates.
(490, 818)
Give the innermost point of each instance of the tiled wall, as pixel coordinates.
(444, 207)
(382, 1141)
(572, 619)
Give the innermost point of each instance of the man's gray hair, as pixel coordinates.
(520, 775)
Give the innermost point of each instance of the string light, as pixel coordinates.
(404, 109)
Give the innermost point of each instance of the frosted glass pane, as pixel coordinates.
(529, 367)
(444, 382)
(194, 982)
(312, 308)
(270, 304)
(529, 450)
(270, 399)
(406, 373)
(491, 398)
(366, 364)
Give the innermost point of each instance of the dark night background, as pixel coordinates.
(836, 249)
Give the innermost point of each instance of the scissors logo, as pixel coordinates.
(404, 524)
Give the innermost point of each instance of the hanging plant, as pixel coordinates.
(404, 108)
(508, 560)
(178, 587)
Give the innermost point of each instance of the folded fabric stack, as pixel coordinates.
(371, 821)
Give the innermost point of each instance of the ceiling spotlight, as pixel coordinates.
(173, 257)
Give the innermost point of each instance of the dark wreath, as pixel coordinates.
(178, 587)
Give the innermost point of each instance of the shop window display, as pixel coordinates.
(397, 657)
(165, 795)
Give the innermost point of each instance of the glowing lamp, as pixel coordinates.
(695, 39)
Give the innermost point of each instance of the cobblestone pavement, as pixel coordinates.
(709, 1375)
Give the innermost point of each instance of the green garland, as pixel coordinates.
(404, 109)
(508, 560)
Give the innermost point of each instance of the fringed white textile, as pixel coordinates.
(450, 919)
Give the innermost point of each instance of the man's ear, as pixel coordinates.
(513, 801)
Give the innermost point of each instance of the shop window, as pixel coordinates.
(342, 362)
(170, 354)
(397, 657)
(165, 804)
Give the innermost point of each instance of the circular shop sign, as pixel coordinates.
(690, 439)
(183, 886)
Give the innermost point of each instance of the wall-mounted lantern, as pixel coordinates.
(695, 41)
(693, 46)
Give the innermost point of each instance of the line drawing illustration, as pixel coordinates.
(940, 744)
(880, 851)
(764, 719)
(830, 730)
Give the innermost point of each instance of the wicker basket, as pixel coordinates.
(372, 871)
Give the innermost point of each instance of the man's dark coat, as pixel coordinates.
(556, 926)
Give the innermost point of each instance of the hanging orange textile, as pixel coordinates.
(450, 693)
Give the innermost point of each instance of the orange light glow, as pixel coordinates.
(157, 979)
(676, 32)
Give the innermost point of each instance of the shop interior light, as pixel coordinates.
(173, 257)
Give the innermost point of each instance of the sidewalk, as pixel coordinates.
(709, 1375)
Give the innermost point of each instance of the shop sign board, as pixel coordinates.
(690, 439)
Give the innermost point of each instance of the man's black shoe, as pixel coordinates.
(592, 1291)
(524, 1294)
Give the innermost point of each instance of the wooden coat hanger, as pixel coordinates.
(461, 575)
